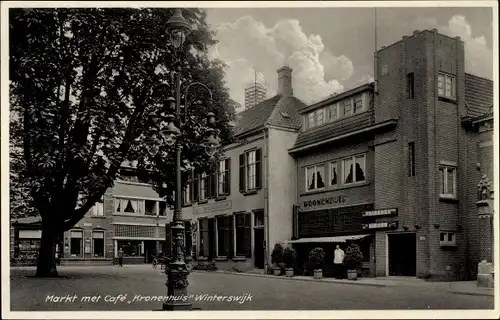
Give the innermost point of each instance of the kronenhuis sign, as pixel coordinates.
(324, 201)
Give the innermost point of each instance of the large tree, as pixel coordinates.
(83, 83)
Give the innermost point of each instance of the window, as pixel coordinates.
(76, 243)
(163, 208)
(250, 170)
(203, 186)
(358, 104)
(320, 117)
(151, 208)
(446, 86)
(243, 234)
(447, 239)
(332, 113)
(223, 236)
(258, 219)
(311, 120)
(29, 247)
(98, 209)
(204, 238)
(411, 159)
(347, 107)
(354, 169)
(186, 194)
(333, 174)
(315, 177)
(98, 244)
(131, 248)
(130, 206)
(411, 85)
(447, 181)
(223, 178)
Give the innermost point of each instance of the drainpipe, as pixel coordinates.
(266, 199)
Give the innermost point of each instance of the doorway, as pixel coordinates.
(402, 249)
(149, 250)
(259, 248)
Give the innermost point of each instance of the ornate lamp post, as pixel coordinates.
(177, 272)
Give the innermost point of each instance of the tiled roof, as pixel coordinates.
(334, 129)
(281, 111)
(28, 220)
(478, 95)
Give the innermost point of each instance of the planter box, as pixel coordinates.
(352, 274)
(318, 274)
(289, 272)
(277, 272)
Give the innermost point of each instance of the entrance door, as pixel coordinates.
(259, 248)
(149, 250)
(403, 254)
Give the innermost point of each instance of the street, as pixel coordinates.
(141, 287)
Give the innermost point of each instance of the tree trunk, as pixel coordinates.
(46, 264)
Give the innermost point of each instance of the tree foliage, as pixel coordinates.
(82, 84)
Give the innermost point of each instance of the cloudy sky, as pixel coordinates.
(331, 49)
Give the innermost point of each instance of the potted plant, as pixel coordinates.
(289, 255)
(316, 262)
(353, 261)
(277, 258)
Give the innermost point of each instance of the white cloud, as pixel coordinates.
(248, 45)
(478, 57)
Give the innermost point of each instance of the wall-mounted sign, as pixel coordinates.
(331, 222)
(87, 224)
(383, 212)
(422, 238)
(214, 207)
(381, 225)
(324, 201)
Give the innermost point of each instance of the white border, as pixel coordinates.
(421, 314)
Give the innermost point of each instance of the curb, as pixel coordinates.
(295, 279)
(468, 293)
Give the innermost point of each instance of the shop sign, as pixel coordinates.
(378, 213)
(324, 201)
(380, 225)
(214, 207)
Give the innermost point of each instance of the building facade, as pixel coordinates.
(390, 166)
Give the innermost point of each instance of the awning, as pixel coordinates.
(337, 239)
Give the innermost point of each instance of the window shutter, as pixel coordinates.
(227, 183)
(191, 185)
(248, 235)
(242, 173)
(258, 168)
(196, 186)
(231, 236)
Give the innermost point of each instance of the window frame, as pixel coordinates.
(246, 230)
(227, 230)
(353, 159)
(331, 165)
(223, 185)
(443, 173)
(446, 242)
(445, 77)
(356, 98)
(81, 249)
(316, 180)
(249, 165)
(203, 181)
(103, 243)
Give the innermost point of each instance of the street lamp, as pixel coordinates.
(178, 28)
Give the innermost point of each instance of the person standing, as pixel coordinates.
(120, 257)
(338, 263)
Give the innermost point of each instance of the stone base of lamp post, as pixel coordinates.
(485, 224)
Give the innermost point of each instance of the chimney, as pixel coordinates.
(285, 81)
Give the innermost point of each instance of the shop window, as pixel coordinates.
(29, 247)
(98, 244)
(131, 248)
(333, 174)
(223, 236)
(315, 177)
(354, 169)
(447, 239)
(243, 234)
(447, 181)
(204, 238)
(76, 243)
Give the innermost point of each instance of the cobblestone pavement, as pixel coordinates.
(142, 283)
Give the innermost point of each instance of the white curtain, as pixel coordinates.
(117, 204)
(142, 206)
(134, 205)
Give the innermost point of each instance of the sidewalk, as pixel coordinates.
(457, 287)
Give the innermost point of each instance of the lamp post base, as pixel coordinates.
(177, 306)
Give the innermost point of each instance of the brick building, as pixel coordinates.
(394, 165)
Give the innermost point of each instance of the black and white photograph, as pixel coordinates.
(309, 159)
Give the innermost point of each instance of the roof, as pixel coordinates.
(337, 97)
(478, 95)
(27, 220)
(280, 111)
